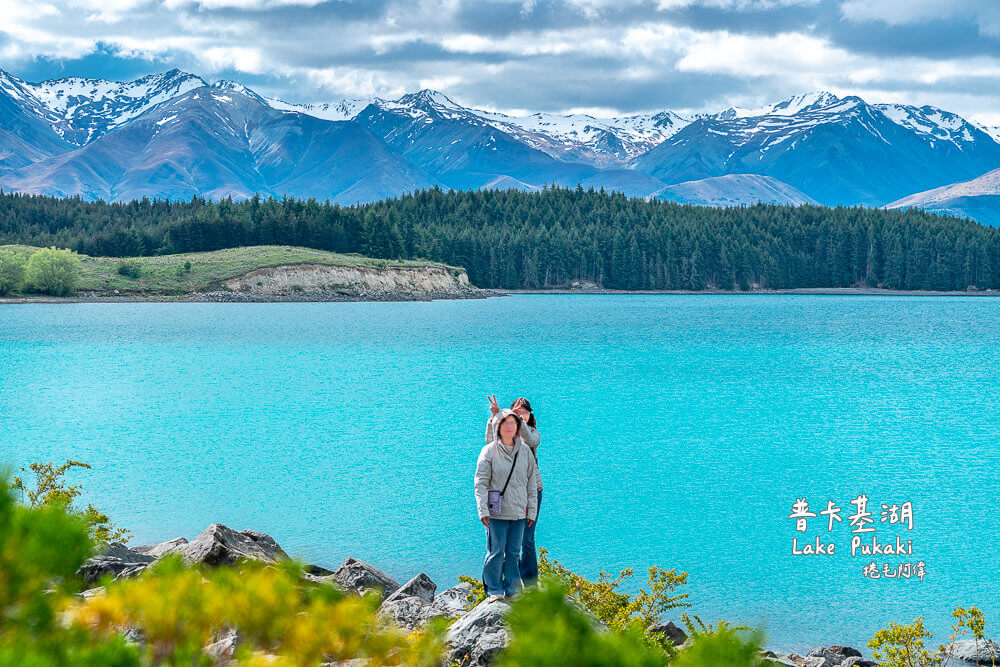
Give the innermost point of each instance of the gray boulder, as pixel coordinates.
(670, 631)
(419, 586)
(846, 651)
(476, 638)
(360, 577)
(163, 548)
(406, 612)
(817, 661)
(451, 603)
(857, 661)
(966, 649)
(778, 659)
(114, 559)
(219, 545)
(830, 659)
(408, 604)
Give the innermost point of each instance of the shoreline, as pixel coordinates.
(337, 296)
(347, 296)
(803, 291)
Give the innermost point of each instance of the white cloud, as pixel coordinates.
(743, 55)
(596, 58)
(240, 58)
(985, 13)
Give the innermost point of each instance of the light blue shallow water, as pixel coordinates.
(676, 430)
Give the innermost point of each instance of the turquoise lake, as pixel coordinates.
(676, 430)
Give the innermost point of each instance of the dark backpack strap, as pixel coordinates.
(510, 473)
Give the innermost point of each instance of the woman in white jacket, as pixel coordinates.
(528, 564)
(506, 500)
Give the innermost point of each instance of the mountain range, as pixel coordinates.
(175, 135)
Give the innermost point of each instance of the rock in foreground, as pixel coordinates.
(986, 652)
(219, 545)
(477, 637)
(359, 577)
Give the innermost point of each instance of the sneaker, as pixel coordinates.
(494, 597)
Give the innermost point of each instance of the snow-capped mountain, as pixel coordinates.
(789, 107)
(933, 123)
(217, 142)
(176, 135)
(80, 110)
(835, 150)
(602, 142)
(342, 110)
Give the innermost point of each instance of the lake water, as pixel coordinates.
(676, 431)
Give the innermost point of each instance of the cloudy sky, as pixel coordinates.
(600, 56)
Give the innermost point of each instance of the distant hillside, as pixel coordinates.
(734, 190)
(978, 199)
(196, 272)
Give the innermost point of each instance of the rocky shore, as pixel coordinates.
(291, 296)
(476, 635)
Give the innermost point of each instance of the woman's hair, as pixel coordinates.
(527, 406)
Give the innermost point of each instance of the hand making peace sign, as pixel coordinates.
(494, 408)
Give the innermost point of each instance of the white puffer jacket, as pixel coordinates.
(492, 468)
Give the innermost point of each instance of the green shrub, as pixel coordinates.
(621, 611)
(51, 491)
(130, 268)
(548, 631)
(53, 271)
(187, 266)
(11, 272)
(41, 549)
(903, 645)
(723, 645)
(282, 619)
(477, 593)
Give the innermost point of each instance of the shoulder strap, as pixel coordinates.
(510, 473)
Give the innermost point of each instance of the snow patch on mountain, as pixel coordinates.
(80, 110)
(787, 107)
(932, 122)
(343, 110)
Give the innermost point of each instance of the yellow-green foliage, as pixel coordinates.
(281, 618)
(40, 550)
(903, 645)
(477, 593)
(618, 610)
(54, 271)
(11, 272)
(180, 609)
(50, 490)
(547, 630)
(723, 645)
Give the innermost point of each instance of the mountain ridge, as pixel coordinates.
(103, 139)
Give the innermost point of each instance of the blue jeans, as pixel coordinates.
(529, 556)
(503, 545)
